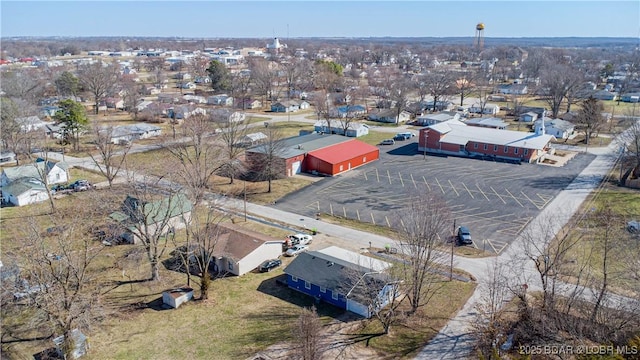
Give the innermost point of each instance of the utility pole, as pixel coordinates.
(244, 190)
(453, 240)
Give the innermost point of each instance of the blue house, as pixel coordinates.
(343, 278)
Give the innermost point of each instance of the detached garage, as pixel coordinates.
(341, 157)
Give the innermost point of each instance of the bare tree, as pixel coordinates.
(153, 211)
(590, 119)
(131, 94)
(424, 229)
(324, 108)
(264, 76)
(466, 84)
(197, 254)
(548, 249)
(307, 330)
(197, 154)
(25, 84)
(61, 276)
(231, 133)
(557, 82)
(488, 324)
(14, 136)
(399, 94)
(241, 86)
(99, 80)
(440, 84)
(110, 158)
(631, 143)
(267, 161)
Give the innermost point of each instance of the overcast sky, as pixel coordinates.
(265, 19)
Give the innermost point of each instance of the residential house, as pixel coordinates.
(441, 105)
(126, 133)
(31, 123)
(153, 217)
(489, 109)
(513, 89)
(202, 80)
(252, 139)
(186, 85)
(458, 139)
(354, 128)
(7, 156)
(239, 250)
(493, 123)
(169, 98)
(289, 106)
(25, 191)
(435, 118)
(182, 112)
(389, 116)
(630, 97)
(227, 116)
(56, 173)
(529, 116)
(348, 111)
(143, 105)
(343, 278)
(339, 98)
(559, 128)
(182, 76)
(150, 90)
(49, 110)
(111, 103)
(194, 99)
(248, 104)
(222, 100)
(605, 95)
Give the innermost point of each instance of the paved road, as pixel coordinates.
(455, 340)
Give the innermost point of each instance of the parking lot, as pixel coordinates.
(494, 200)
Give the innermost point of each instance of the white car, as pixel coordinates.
(302, 239)
(296, 250)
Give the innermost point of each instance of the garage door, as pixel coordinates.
(295, 167)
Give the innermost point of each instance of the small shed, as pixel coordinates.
(176, 297)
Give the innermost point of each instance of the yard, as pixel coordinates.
(243, 316)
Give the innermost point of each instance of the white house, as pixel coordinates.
(239, 251)
(354, 129)
(513, 89)
(25, 191)
(489, 109)
(431, 119)
(529, 116)
(252, 139)
(221, 99)
(559, 128)
(195, 99)
(389, 116)
(31, 123)
(128, 133)
(57, 173)
(227, 116)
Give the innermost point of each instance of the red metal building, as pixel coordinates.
(342, 157)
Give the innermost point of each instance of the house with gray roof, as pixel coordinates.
(435, 118)
(127, 133)
(57, 173)
(559, 128)
(343, 278)
(25, 191)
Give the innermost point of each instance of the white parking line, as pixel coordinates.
(389, 175)
(498, 195)
(454, 189)
(358, 214)
(514, 198)
(469, 191)
(373, 220)
(365, 176)
(528, 198)
(426, 183)
(400, 177)
(377, 175)
(414, 181)
(441, 188)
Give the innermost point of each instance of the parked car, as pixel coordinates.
(464, 236)
(403, 136)
(80, 185)
(269, 265)
(303, 239)
(388, 142)
(296, 250)
(633, 227)
(60, 189)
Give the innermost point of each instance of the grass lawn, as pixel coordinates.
(625, 204)
(244, 315)
(375, 137)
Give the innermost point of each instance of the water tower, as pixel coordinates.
(478, 42)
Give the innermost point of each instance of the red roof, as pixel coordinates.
(343, 151)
